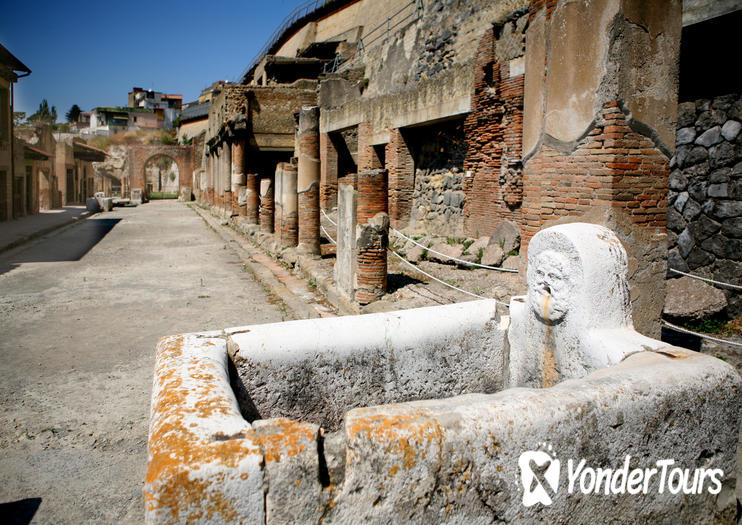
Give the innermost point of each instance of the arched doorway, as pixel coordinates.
(162, 177)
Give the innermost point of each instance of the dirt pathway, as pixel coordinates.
(80, 313)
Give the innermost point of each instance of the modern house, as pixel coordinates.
(193, 120)
(108, 121)
(167, 108)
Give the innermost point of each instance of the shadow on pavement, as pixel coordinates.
(70, 245)
(19, 512)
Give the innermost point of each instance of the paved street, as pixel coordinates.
(81, 311)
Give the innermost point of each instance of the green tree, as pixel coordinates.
(73, 114)
(18, 117)
(44, 114)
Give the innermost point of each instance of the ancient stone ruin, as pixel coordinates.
(555, 151)
(422, 415)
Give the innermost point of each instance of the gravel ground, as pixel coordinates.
(81, 311)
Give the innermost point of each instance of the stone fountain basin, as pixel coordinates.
(443, 457)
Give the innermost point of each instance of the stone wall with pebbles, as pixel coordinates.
(438, 201)
(704, 219)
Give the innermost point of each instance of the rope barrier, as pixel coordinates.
(453, 258)
(328, 217)
(685, 331)
(328, 235)
(443, 282)
(734, 286)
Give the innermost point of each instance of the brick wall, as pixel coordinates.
(613, 165)
(368, 157)
(372, 194)
(289, 234)
(372, 242)
(309, 178)
(537, 5)
(371, 258)
(266, 205)
(401, 181)
(493, 131)
(253, 197)
(328, 172)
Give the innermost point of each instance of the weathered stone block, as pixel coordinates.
(317, 369)
(202, 463)
(709, 137)
(722, 154)
(718, 190)
(506, 236)
(678, 181)
(686, 114)
(447, 250)
(493, 255)
(730, 130)
(685, 136)
(732, 227)
(92, 205)
(691, 210)
(685, 242)
(689, 299)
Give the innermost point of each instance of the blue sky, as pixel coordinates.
(91, 53)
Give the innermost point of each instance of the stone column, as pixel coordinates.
(252, 198)
(308, 179)
(227, 179)
(278, 210)
(344, 271)
(328, 186)
(210, 181)
(372, 236)
(218, 161)
(45, 201)
(266, 205)
(289, 201)
(238, 176)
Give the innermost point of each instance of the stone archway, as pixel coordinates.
(161, 176)
(139, 156)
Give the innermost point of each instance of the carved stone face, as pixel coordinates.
(549, 286)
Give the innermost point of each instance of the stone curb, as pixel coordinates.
(308, 267)
(305, 266)
(263, 275)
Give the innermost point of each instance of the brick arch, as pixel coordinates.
(139, 155)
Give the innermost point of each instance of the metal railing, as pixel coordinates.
(299, 12)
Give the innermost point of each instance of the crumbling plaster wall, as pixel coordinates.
(266, 114)
(599, 132)
(114, 167)
(422, 73)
